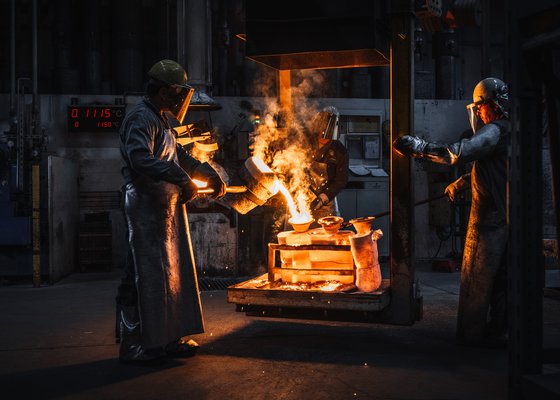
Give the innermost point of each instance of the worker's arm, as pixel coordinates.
(138, 140)
(186, 161)
(483, 143)
(338, 182)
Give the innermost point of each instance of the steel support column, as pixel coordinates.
(285, 100)
(36, 224)
(526, 264)
(403, 307)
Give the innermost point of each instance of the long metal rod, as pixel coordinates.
(385, 213)
(229, 189)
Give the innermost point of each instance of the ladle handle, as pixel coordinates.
(229, 189)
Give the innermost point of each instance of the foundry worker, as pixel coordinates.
(329, 167)
(158, 182)
(481, 317)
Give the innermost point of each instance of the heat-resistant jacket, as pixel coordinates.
(483, 266)
(168, 296)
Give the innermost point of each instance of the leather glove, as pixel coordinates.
(207, 173)
(319, 202)
(219, 186)
(454, 188)
(408, 145)
(188, 191)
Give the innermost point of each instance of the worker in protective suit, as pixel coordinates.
(329, 167)
(154, 318)
(481, 318)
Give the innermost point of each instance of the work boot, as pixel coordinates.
(131, 351)
(182, 347)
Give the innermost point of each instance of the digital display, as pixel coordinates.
(96, 118)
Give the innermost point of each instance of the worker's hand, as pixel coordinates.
(451, 192)
(453, 189)
(219, 186)
(408, 145)
(188, 191)
(319, 202)
(208, 174)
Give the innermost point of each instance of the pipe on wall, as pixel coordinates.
(35, 65)
(67, 77)
(194, 48)
(127, 51)
(92, 53)
(445, 53)
(485, 47)
(13, 57)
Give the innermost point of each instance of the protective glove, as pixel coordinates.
(188, 191)
(205, 172)
(455, 187)
(319, 202)
(408, 145)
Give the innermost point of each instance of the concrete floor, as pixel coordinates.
(57, 342)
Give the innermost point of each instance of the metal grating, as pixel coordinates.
(100, 201)
(219, 283)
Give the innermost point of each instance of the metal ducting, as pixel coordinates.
(316, 34)
(194, 49)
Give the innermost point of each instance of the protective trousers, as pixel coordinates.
(482, 300)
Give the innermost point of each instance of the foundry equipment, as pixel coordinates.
(320, 35)
(259, 181)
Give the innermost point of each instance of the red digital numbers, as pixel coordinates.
(95, 118)
(91, 112)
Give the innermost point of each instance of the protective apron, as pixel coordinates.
(168, 296)
(482, 299)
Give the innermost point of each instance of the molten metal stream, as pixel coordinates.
(297, 217)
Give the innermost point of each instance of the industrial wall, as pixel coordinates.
(437, 224)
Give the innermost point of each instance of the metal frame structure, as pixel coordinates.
(534, 40)
(403, 307)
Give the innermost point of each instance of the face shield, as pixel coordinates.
(325, 124)
(474, 119)
(178, 100)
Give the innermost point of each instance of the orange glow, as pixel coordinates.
(261, 165)
(297, 216)
(330, 286)
(323, 286)
(200, 184)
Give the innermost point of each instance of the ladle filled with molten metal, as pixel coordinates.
(260, 183)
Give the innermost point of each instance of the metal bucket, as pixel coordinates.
(260, 186)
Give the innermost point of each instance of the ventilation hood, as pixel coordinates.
(316, 34)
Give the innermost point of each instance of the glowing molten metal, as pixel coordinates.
(297, 216)
(200, 184)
